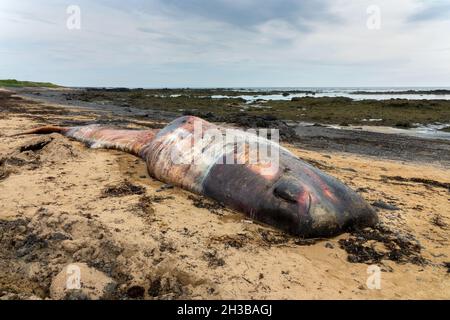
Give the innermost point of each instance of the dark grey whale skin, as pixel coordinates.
(302, 200)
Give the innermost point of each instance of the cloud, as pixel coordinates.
(431, 10)
(222, 43)
(251, 13)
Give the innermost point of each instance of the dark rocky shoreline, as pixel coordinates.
(317, 137)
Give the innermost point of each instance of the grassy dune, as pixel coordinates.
(16, 84)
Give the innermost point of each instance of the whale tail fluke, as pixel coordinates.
(96, 136)
(43, 130)
(127, 140)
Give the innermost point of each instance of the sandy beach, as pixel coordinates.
(63, 203)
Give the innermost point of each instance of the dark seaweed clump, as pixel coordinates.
(373, 245)
(447, 265)
(212, 206)
(125, 188)
(427, 182)
(213, 259)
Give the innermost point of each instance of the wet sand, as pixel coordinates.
(375, 144)
(62, 203)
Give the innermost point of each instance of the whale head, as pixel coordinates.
(300, 199)
(312, 203)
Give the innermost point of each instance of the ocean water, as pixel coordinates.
(379, 93)
(429, 131)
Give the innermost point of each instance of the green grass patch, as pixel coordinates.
(19, 84)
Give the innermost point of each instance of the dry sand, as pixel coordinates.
(62, 203)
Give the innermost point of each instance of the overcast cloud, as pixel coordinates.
(209, 43)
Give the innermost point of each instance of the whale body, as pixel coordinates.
(292, 195)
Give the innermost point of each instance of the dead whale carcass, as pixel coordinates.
(292, 195)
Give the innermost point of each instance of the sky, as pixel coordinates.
(227, 43)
